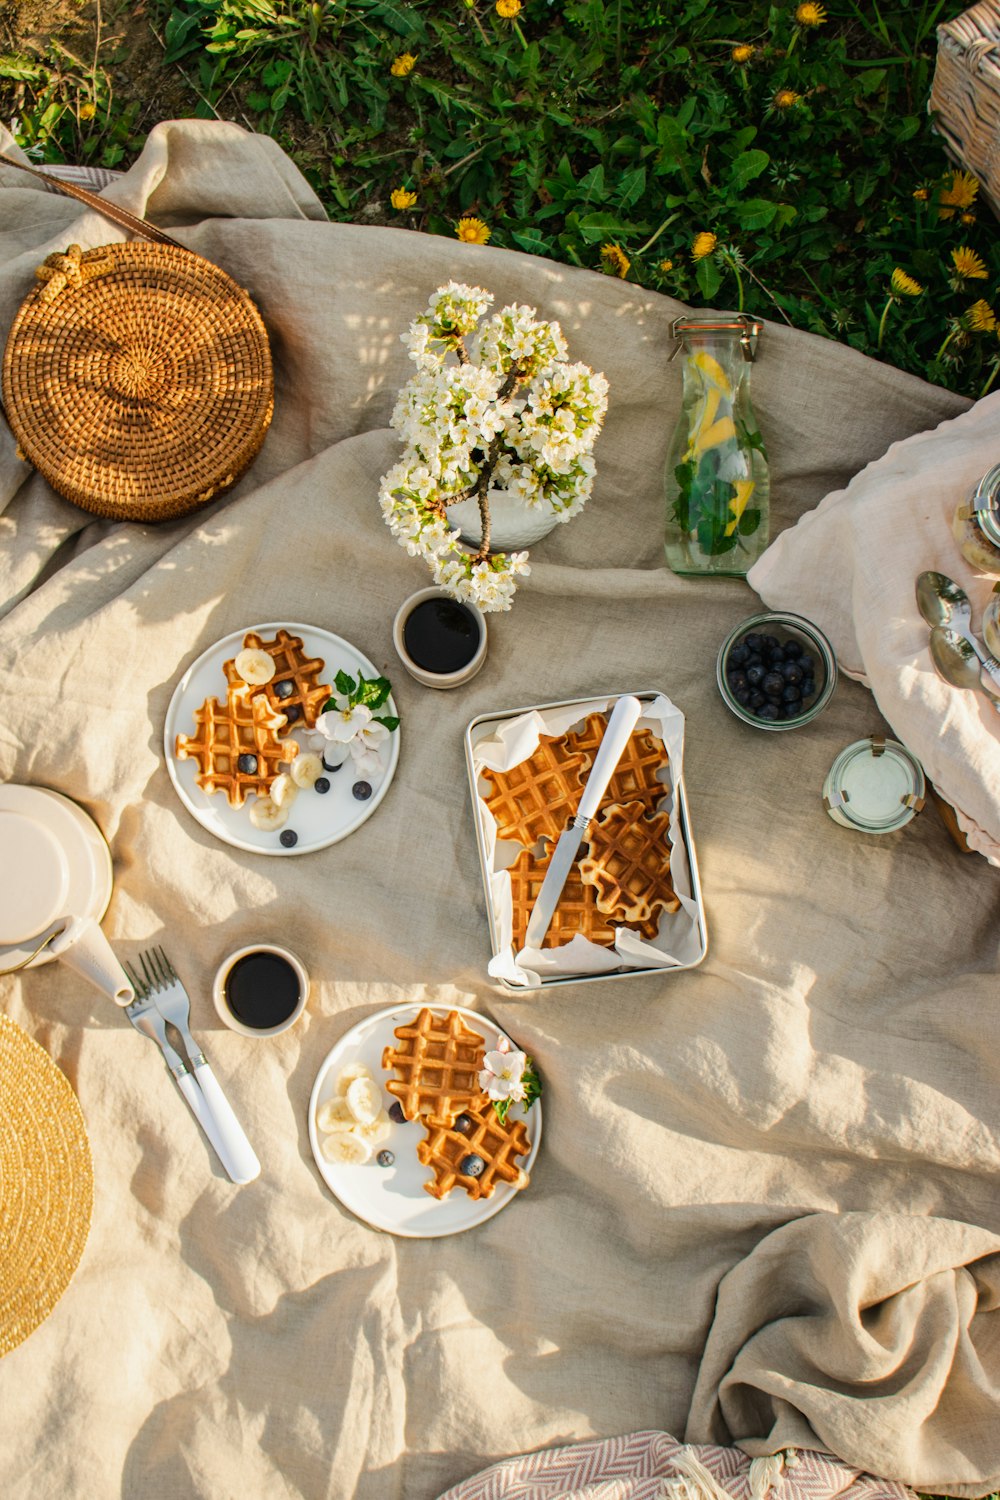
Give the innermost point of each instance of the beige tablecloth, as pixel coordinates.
(765, 1208)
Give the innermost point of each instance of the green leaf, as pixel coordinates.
(595, 227)
(346, 686)
(390, 721)
(755, 213)
(531, 241)
(708, 277)
(749, 521)
(747, 166)
(632, 187)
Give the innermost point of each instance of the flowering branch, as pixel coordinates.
(493, 403)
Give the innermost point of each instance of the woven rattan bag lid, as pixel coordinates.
(137, 379)
(46, 1185)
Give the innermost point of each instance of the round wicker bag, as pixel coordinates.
(137, 377)
(144, 391)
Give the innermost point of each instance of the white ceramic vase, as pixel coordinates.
(512, 523)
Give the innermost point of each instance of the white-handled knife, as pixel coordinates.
(624, 717)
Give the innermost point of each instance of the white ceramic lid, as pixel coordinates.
(56, 864)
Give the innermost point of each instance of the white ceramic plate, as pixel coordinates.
(393, 1198)
(318, 819)
(88, 860)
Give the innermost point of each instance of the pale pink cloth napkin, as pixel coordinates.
(850, 565)
(652, 1466)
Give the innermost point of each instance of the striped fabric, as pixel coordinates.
(652, 1466)
(94, 178)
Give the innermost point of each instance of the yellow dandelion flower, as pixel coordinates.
(403, 64)
(88, 111)
(786, 98)
(966, 218)
(616, 260)
(742, 54)
(472, 231)
(960, 192)
(808, 14)
(980, 317)
(508, 9)
(402, 198)
(921, 194)
(968, 264)
(904, 285)
(703, 244)
(665, 266)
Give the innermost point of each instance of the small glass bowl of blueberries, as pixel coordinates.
(776, 671)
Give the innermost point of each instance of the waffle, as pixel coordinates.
(445, 1148)
(628, 865)
(225, 731)
(539, 797)
(308, 696)
(635, 778)
(576, 912)
(438, 1065)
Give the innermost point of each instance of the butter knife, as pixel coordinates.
(624, 717)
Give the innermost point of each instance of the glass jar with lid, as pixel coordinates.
(717, 483)
(976, 525)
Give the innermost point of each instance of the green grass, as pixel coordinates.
(599, 133)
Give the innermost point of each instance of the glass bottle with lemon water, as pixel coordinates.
(717, 482)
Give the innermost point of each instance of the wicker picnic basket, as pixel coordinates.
(137, 377)
(966, 93)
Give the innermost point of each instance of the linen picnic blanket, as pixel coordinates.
(765, 1209)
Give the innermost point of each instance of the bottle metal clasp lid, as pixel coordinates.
(748, 328)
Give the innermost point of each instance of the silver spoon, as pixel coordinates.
(957, 662)
(943, 603)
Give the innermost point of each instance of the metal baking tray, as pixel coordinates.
(484, 725)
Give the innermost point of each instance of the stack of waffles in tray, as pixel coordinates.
(621, 877)
(436, 1062)
(240, 745)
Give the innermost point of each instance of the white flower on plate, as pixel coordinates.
(342, 723)
(503, 1074)
(369, 737)
(366, 762)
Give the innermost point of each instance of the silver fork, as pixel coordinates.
(163, 999)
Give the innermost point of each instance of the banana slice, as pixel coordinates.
(333, 1116)
(345, 1149)
(364, 1100)
(265, 814)
(378, 1131)
(254, 666)
(283, 791)
(347, 1076)
(306, 768)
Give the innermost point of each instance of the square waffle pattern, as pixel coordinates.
(577, 910)
(445, 1148)
(295, 689)
(628, 864)
(635, 778)
(242, 726)
(538, 798)
(437, 1065)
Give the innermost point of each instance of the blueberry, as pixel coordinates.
(791, 710)
(773, 684)
(463, 1125)
(791, 671)
(738, 656)
(386, 1158)
(757, 700)
(289, 838)
(247, 764)
(284, 688)
(770, 712)
(396, 1112)
(472, 1165)
(770, 642)
(807, 664)
(807, 687)
(737, 681)
(791, 694)
(743, 697)
(777, 656)
(321, 784)
(755, 675)
(293, 713)
(752, 642)
(362, 790)
(327, 766)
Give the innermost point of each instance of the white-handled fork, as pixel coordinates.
(164, 999)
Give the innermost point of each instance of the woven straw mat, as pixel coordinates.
(46, 1185)
(145, 392)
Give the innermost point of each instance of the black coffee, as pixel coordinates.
(441, 635)
(262, 990)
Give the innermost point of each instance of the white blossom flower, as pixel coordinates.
(501, 1076)
(343, 723)
(366, 762)
(369, 737)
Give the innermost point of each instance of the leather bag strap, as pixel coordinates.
(112, 211)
